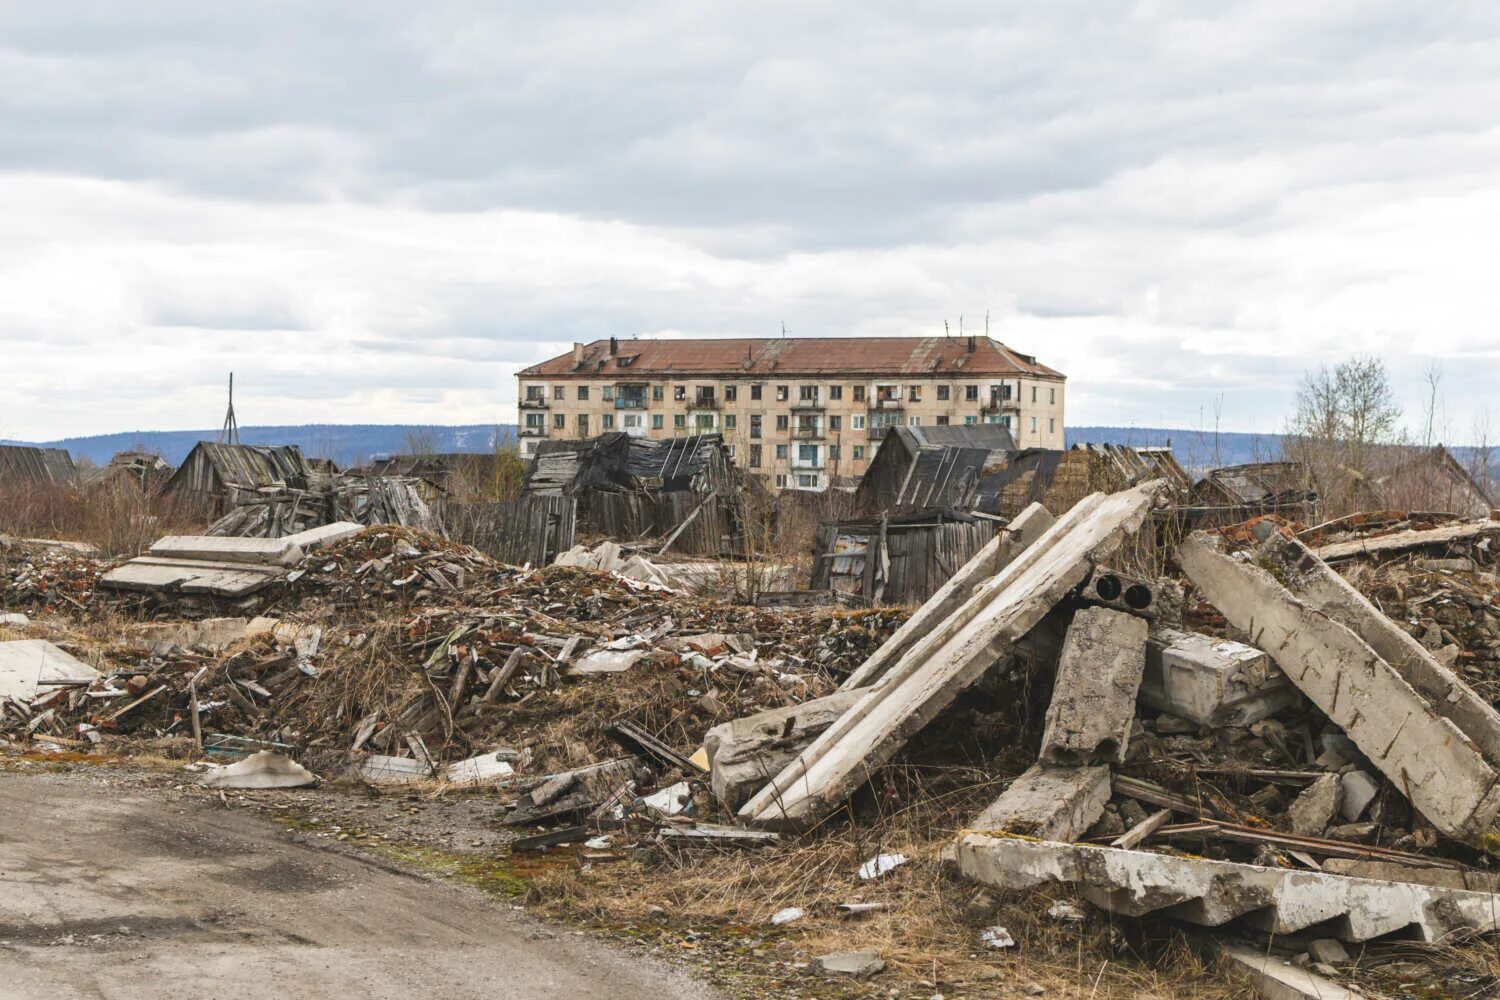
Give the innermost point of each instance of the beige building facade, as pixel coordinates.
(800, 413)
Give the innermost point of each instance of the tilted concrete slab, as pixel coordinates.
(1211, 681)
(314, 539)
(1053, 803)
(1424, 755)
(188, 576)
(748, 752)
(212, 548)
(1213, 893)
(1093, 697)
(950, 658)
(1009, 542)
(29, 667)
(1313, 581)
(1401, 540)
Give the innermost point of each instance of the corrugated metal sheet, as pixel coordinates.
(790, 357)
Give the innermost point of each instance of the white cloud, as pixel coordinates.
(375, 213)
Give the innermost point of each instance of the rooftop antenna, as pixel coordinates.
(230, 434)
(986, 323)
(946, 333)
(783, 328)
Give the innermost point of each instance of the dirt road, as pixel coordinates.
(110, 893)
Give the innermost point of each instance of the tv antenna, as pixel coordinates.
(230, 434)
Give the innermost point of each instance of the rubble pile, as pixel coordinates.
(47, 575)
(1261, 727)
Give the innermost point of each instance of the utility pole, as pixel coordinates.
(230, 434)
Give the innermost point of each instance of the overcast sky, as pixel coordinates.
(378, 212)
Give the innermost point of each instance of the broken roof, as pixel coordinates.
(29, 465)
(792, 357)
(246, 466)
(617, 462)
(1255, 483)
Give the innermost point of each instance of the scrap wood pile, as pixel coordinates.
(47, 575)
(366, 500)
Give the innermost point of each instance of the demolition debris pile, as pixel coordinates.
(1258, 728)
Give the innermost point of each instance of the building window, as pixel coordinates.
(807, 454)
(608, 393)
(857, 421)
(1051, 425)
(557, 392)
(859, 394)
(914, 393)
(729, 421)
(807, 393)
(755, 419)
(781, 451)
(755, 456)
(536, 393)
(1033, 394)
(583, 425)
(807, 482)
(781, 393)
(755, 392)
(657, 392)
(835, 392)
(945, 392)
(534, 421)
(780, 481)
(679, 420)
(971, 419)
(583, 392)
(656, 421)
(781, 422)
(971, 393)
(914, 421)
(679, 392)
(705, 395)
(859, 452)
(833, 453)
(632, 421)
(607, 422)
(1052, 395)
(705, 423)
(559, 421)
(942, 420)
(835, 422)
(1033, 425)
(731, 393)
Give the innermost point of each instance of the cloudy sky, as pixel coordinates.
(377, 212)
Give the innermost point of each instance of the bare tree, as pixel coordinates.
(421, 441)
(1344, 415)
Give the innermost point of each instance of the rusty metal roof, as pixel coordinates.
(793, 357)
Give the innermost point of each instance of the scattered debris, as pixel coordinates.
(860, 964)
(266, 769)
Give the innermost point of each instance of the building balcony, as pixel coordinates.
(704, 403)
(1001, 406)
(878, 433)
(534, 404)
(531, 432)
(807, 433)
(801, 465)
(888, 405)
(808, 404)
(630, 403)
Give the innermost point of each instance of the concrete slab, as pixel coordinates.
(1211, 681)
(219, 579)
(1315, 583)
(1424, 755)
(1093, 697)
(212, 548)
(1275, 979)
(1000, 552)
(1401, 540)
(266, 769)
(746, 753)
(29, 667)
(326, 534)
(1212, 893)
(949, 658)
(1052, 803)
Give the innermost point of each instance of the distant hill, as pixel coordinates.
(1195, 450)
(346, 444)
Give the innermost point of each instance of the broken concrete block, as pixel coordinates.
(1275, 979)
(1314, 809)
(950, 658)
(1423, 754)
(847, 963)
(1001, 550)
(1212, 893)
(1328, 951)
(1359, 790)
(1210, 681)
(266, 769)
(14, 619)
(1093, 698)
(1312, 581)
(746, 753)
(1402, 540)
(1052, 803)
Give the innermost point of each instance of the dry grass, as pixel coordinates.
(116, 516)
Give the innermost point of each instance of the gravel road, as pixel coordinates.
(115, 893)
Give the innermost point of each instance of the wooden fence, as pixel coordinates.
(532, 529)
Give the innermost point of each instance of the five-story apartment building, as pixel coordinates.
(799, 412)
